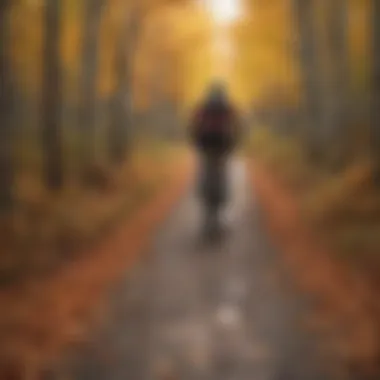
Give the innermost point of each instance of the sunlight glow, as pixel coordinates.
(224, 11)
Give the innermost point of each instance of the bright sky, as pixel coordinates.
(223, 14)
(224, 11)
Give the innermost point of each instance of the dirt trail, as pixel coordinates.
(200, 310)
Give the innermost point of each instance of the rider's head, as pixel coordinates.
(217, 92)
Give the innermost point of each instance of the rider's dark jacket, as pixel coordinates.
(213, 128)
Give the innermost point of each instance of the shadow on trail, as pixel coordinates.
(214, 236)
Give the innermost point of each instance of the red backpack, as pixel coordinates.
(214, 120)
(213, 127)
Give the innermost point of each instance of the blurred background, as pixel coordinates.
(95, 102)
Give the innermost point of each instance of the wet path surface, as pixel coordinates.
(194, 309)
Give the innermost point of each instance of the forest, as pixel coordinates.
(95, 102)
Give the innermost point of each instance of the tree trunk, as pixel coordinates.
(121, 97)
(375, 127)
(90, 63)
(337, 86)
(52, 98)
(158, 99)
(6, 114)
(310, 73)
(121, 117)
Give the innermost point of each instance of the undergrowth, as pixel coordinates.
(46, 229)
(343, 205)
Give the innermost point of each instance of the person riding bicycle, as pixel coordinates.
(214, 131)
